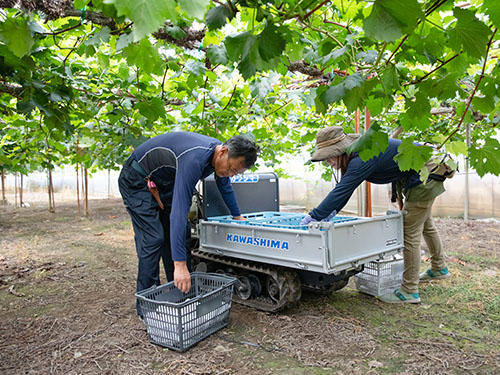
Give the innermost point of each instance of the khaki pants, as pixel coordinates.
(417, 222)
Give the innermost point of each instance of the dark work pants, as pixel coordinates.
(151, 230)
(166, 253)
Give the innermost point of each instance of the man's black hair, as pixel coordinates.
(240, 145)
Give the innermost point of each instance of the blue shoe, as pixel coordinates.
(434, 275)
(399, 296)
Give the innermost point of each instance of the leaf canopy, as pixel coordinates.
(106, 75)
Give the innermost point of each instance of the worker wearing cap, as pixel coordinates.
(331, 146)
(157, 183)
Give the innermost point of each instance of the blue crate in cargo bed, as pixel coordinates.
(286, 220)
(277, 238)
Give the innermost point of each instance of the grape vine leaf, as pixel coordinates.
(16, 34)
(371, 143)
(147, 15)
(412, 156)
(484, 158)
(469, 33)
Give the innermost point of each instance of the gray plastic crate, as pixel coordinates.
(380, 276)
(178, 321)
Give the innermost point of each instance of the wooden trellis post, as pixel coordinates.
(4, 200)
(50, 189)
(364, 192)
(21, 202)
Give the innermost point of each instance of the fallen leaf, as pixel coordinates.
(112, 216)
(221, 349)
(375, 364)
(15, 292)
(459, 261)
(490, 273)
(98, 234)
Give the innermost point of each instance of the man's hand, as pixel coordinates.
(182, 278)
(239, 218)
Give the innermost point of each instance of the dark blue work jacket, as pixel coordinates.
(381, 169)
(176, 162)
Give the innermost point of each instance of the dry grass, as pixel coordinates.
(67, 307)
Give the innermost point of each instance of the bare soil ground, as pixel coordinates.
(67, 307)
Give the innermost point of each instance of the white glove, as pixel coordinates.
(331, 216)
(306, 220)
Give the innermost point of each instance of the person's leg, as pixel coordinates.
(433, 241)
(416, 215)
(438, 269)
(188, 245)
(166, 252)
(148, 235)
(148, 231)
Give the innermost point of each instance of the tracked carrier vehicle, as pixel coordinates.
(272, 255)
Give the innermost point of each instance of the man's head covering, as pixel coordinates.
(332, 141)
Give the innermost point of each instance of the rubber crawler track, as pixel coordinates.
(290, 287)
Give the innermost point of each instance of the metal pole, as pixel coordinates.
(492, 197)
(78, 192)
(15, 188)
(52, 192)
(359, 191)
(77, 169)
(21, 202)
(466, 200)
(86, 193)
(49, 186)
(368, 190)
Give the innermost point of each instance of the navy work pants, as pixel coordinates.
(151, 229)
